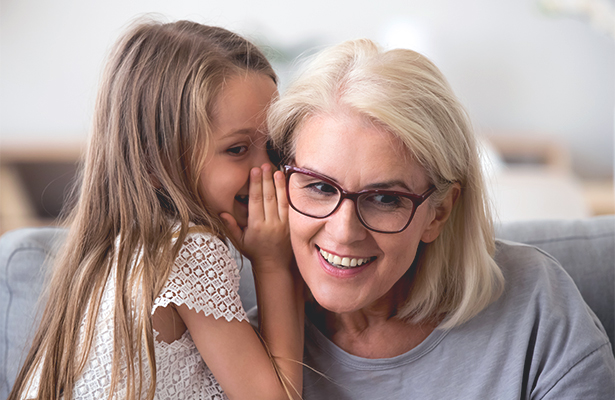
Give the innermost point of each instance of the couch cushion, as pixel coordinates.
(586, 250)
(22, 253)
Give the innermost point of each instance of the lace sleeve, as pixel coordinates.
(205, 278)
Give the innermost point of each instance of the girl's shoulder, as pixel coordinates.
(199, 234)
(201, 244)
(192, 229)
(204, 276)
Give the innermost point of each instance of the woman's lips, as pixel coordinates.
(343, 266)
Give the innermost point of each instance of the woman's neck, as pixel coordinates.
(374, 331)
(370, 333)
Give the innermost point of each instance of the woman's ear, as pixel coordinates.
(442, 212)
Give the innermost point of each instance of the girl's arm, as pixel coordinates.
(278, 284)
(232, 350)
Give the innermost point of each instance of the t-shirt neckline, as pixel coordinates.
(356, 362)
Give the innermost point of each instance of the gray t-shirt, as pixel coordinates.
(539, 340)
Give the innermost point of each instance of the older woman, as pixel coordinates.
(411, 295)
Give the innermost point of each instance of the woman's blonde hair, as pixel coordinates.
(151, 130)
(405, 93)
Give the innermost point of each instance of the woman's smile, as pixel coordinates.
(343, 262)
(340, 266)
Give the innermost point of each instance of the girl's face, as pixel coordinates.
(238, 143)
(357, 155)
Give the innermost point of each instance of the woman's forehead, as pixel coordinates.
(353, 148)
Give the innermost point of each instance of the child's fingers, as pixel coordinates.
(280, 187)
(255, 205)
(270, 204)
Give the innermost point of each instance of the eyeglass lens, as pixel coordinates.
(316, 198)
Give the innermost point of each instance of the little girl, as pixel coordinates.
(143, 300)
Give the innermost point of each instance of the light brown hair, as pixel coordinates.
(151, 130)
(405, 93)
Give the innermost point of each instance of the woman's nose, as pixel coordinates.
(344, 225)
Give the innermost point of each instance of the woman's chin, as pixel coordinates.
(336, 303)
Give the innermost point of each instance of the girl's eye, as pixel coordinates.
(237, 150)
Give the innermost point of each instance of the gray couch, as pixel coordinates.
(585, 248)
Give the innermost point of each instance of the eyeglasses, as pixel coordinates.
(383, 211)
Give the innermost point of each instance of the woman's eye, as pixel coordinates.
(237, 150)
(322, 188)
(386, 200)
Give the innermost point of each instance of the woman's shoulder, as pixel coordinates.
(542, 314)
(541, 299)
(536, 281)
(526, 268)
(541, 296)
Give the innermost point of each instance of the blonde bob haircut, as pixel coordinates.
(405, 93)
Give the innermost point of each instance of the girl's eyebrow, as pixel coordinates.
(238, 132)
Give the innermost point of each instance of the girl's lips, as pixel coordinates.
(342, 267)
(242, 199)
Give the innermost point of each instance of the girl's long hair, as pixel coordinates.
(151, 130)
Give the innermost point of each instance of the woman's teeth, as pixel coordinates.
(343, 262)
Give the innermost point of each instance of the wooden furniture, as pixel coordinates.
(34, 184)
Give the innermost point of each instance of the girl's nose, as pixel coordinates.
(344, 225)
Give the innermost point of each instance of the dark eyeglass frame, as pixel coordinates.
(416, 199)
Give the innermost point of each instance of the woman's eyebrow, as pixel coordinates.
(390, 184)
(319, 173)
(385, 185)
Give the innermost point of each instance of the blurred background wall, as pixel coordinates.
(537, 76)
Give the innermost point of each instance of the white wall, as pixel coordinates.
(515, 67)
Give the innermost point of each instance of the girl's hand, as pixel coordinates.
(266, 240)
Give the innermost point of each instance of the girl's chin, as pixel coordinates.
(243, 223)
(241, 217)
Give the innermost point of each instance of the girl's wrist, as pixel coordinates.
(268, 265)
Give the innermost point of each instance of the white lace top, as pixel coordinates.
(205, 278)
